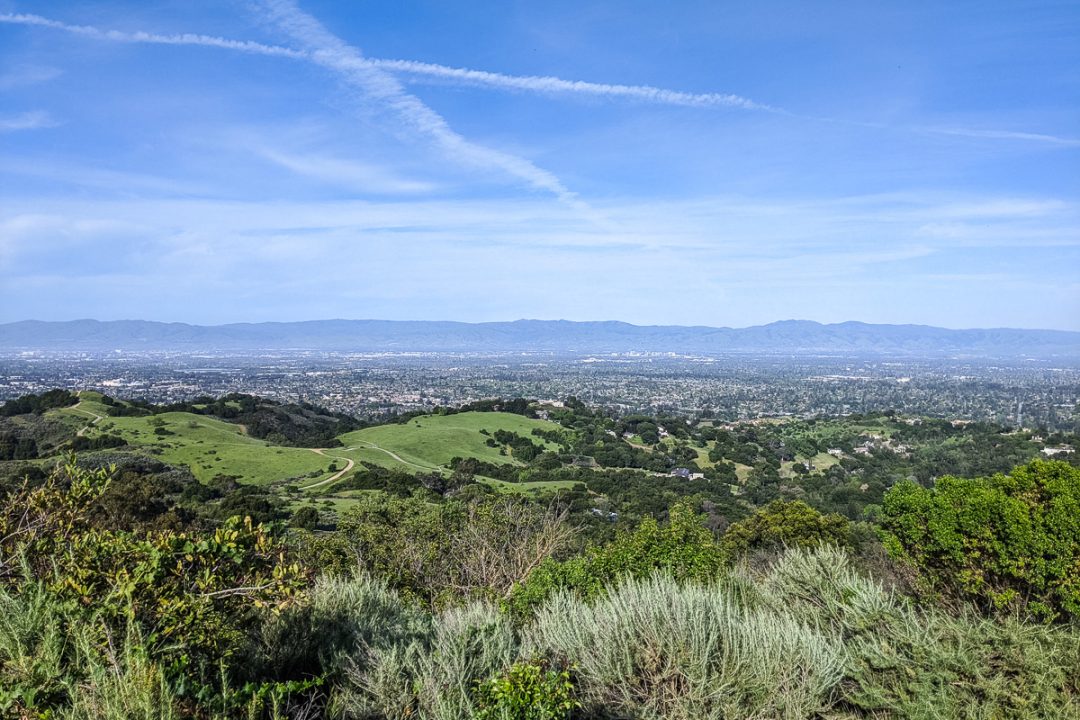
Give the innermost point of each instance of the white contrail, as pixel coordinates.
(330, 51)
(547, 84)
(152, 38)
(327, 50)
(1002, 135)
(532, 83)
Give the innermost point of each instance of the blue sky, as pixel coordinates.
(714, 163)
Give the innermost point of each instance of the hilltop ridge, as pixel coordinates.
(556, 336)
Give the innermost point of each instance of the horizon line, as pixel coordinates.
(541, 320)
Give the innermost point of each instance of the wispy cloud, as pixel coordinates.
(555, 85)
(482, 78)
(1003, 135)
(23, 75)
(152, 38)
(32, 120)
(356, 175)
(112, 182)
(536, 256)
(329, 51)
(532, 83)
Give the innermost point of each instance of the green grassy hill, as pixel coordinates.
(211, 447)
(432, 441)
(208, 446)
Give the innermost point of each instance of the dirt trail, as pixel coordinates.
(349, 464)
(95, 421)
(373, 446)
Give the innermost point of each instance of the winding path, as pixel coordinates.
(373, 446)
(349, 464)
(95, 421)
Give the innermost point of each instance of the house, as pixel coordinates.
(609, 516)
(683, 473)
(835, 452)
(1062, 450)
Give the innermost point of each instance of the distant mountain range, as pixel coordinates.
(557, 336)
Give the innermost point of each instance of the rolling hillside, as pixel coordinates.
(434, 440)
(206, 445)
(212, 447)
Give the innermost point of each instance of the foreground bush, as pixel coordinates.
(657, 649)
(527, 691)
(908, 663)
(1007, 542)
(449, 552)
(334, 627)
(683, 548)
(177, 604)
(433, 676)
(785, 524)
(53, 665)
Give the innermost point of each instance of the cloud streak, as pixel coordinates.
(325, 49)
(24, 75)
(548, 85)
(332, 53)
(466, 76)
(555, 85)
(153, 38)
(362, 176)
(1003, 135)
(33, 120)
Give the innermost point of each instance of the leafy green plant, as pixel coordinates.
(683, 548)
(783, 524)
(526, 691)
(1007, 542)
(192, 597)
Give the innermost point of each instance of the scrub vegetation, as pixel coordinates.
(131, 587)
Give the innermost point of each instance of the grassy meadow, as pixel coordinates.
(212, 447)
(433, 441)
(209, 447)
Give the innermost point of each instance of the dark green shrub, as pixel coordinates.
(1006, 542)
(785, 524)
(306, 517)
(191, 597)
(526, 691)
(683, 548)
